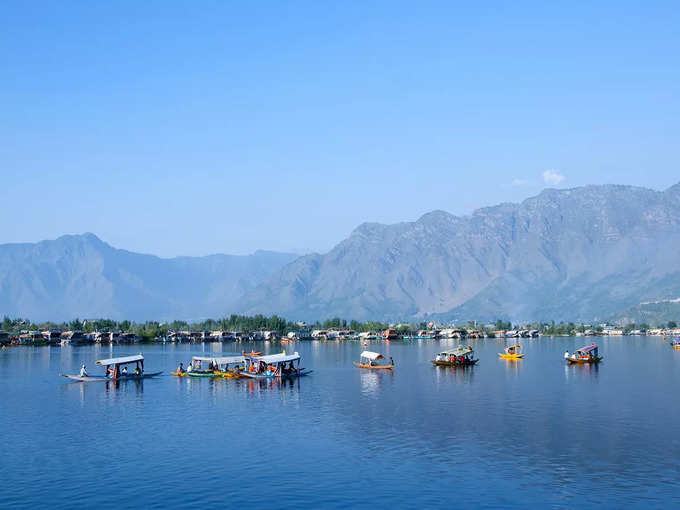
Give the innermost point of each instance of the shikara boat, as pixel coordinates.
(675, 344)
(588, 354)
(461, 356)
(114, 371)
(512, 352)
(281, 366)
(371, 361)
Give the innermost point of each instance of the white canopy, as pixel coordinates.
(278, 358)
(222, 360)
(228, 360)
(371, 355)
(120, 361)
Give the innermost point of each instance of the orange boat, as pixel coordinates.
(252, 353)
(369, 360)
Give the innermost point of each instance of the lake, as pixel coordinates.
(535, 432)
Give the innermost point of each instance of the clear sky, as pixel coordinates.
(202, 127)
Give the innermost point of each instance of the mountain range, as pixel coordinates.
(582, 254)
(82, 276)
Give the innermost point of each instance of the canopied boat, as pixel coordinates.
(512, 352)
(214, 366)
(116, 370)
(588, 354)
(372, 361)
(675, 343)
(274, 366)
(460, 356)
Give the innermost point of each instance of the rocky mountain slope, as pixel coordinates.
(573, 254)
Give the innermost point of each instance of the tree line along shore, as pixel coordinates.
(259, 327)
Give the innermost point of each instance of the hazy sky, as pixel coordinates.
(202, 127)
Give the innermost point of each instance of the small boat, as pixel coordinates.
(461, 356)
(274, 366)
(512, 352)
(370, 361)
(114, 372)
(225, 366)
(675, 344)
(179, 374)
(252, 353)
(588, 354)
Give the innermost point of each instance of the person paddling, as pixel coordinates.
(83, 371)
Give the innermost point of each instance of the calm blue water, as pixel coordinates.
(502, 434)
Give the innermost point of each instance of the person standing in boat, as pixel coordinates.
(83, 371)
(391, 361)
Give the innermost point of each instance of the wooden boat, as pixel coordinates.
(274, 366)
(512, 352)
(675, 344)
(369, 361)
(252, 353)
(587, 354)
(179, 374)
(114, 372)
(461, 356)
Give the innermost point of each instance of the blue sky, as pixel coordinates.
(202, 127)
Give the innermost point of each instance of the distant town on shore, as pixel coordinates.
(275, 328)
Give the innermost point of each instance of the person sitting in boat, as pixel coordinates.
(83, 371)
(124, 371)
(180, 368)
(291, 368)
(137, 372)
(391, 361)
(190, 367)
(566, 354)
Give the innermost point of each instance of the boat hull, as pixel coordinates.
(373, 367)
(301, 373)
(100, 378)
(575, 361)
(453, 363)
(510, 356)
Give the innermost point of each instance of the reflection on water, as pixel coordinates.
(519, 433)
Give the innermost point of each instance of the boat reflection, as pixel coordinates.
(583, 369)
(463, 373)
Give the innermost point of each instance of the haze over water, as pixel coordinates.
(502, 434)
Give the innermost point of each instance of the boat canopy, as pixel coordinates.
(588, 349)
(278, 358)
(458, 351)
(228, 360)
(120, 361)
(371, 355)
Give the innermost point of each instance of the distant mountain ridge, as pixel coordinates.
(82, 276)
(573, 254)
(588, 253)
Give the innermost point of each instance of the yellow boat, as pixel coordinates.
(512, 352)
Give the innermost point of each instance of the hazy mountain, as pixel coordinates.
(654, 313)
(82, 276)
(582, 253)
